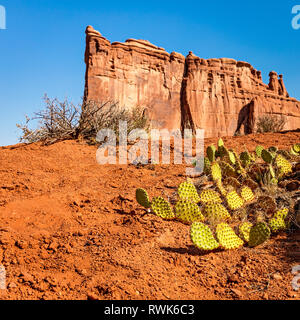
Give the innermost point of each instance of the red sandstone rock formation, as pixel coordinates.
(222, 96)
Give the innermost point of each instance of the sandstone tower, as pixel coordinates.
(222, 96)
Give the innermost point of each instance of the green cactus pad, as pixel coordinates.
(239, 168)
(162, 208)
(277, 224)
(259, 234)
(244, 230)
(210, 196)
(142, 198)
(281, 213)
(202, 237)
(216, 212)
(231, 157)
(267, 156)
(227, 237)
(245, 156)
(220, 143)
(207, 166)
(234, 201)
(187, 211)
(188, 191)
(221, 188)
(222, 152)
(211, 153)
(283, 164)
(258, 150)
(216, 172)
(293, 153)
(296, 148)
(247, 194)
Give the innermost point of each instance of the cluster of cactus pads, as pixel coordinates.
(239, 183)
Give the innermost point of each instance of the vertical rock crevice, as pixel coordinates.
(186, 115)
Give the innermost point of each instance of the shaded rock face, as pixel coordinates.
(222, 96)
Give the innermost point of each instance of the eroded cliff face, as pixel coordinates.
(222, 96)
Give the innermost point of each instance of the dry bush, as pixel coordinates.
(63, 120)
(270, 123)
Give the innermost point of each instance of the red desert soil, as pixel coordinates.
(71, 229)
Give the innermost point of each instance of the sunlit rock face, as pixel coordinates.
(222, 96)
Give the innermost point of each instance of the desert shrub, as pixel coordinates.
(270, 123)
(62, 120)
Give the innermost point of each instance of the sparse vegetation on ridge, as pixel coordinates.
(62, 120)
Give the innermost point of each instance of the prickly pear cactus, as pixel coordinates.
(142, 198)
(207, 166)
(246, 158)
(216, 172)
(220, 143)
(222, 152)
(267, 156)
(293, 153)
(283, 164)
(221, 188)
(240, 170)
(187, 211)
(188, 191)
(216, 212)
(162, 208)
(202, 237)
(247, 194)
(277, 224)
(234, 201)
(210, 196)
(259, 234)
(232, 157)
(244, 230)
(258, 150)
(296, 149)
(227, 237)
(281, 213)
(227, 169)
(211, 153)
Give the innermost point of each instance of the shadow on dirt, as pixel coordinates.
(191, 250)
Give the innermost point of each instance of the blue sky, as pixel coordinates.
(42, 49)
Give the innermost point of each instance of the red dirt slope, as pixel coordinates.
(71, 229)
